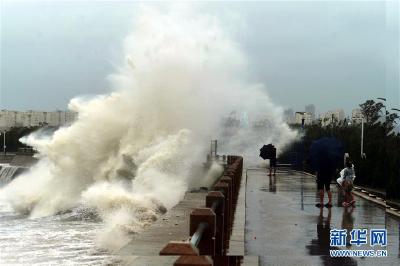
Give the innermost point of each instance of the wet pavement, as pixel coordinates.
(173, 226)
(284, 227)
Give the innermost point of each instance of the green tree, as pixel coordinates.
(371, 110)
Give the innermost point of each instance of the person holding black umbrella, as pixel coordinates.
(269, 152)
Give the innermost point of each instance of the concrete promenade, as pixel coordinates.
(144, 247)
(284, 227)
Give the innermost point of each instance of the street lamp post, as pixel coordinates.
(362, 137)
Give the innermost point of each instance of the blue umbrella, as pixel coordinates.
(325, 154)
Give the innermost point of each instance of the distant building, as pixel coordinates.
(299, 116)
(288, 115)
(356, 116)
(32, 118)
(310, 108)
(7, 118)
(332, 116)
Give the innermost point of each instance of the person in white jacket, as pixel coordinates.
(347, 176)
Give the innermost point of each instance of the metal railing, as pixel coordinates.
(196, 237)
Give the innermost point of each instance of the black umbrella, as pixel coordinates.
(268, 152)
(325, 154)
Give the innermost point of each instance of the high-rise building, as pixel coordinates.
(356, 116)
(7, 118)
(310, 108)
(288, 115)
(299, 116)
(332, 116)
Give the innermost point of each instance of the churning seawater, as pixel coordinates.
(63, 239)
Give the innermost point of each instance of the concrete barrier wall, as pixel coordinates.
(211, 227)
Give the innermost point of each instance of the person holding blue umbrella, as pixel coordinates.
(324, 176)
(325, 155)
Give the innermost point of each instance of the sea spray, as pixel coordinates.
(130, 154)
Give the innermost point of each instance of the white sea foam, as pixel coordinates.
(130, 153)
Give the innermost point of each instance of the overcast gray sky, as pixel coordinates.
(333, 54)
